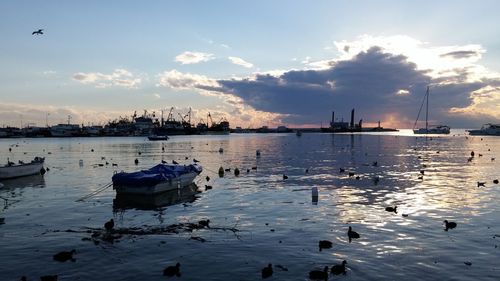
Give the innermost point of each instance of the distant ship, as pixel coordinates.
(343, 127)
(487, 130)
(65, 130)
(216, 128)
(437, 129)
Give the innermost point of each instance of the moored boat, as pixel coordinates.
(12, 170)
(487, 130)
(437, 129)
(158, 138)
(160, 178)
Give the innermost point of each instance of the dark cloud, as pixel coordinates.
(368, 82)
(461, 54)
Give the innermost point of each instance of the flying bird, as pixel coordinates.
(37, 32)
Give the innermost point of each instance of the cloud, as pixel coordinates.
(119, 77)
(193, 57)
(240, 61)
(185, 81)
(39, 114)
(383, 78)
(462, 54)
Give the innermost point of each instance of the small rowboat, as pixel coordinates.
(160, 178)
(12, 170)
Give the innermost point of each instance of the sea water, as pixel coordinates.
(259, 217)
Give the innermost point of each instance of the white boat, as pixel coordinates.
(436, 129)
(160, 178)
(65, 130)
(487, 130)
(12, 170)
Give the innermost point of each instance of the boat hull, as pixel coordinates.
(487, 130)
(17, 171)
(167, 185)
(158, 138)
(433, 131)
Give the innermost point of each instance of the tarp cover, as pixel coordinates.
(155, 175)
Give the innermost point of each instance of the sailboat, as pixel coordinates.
(437, 129)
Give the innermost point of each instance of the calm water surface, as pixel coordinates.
(277, 220)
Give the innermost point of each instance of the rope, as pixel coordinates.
(95, 192)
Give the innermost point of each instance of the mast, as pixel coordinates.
(427, 111)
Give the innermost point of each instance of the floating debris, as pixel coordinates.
(221, 172)
(48, 278)
(197, 238)
(479, 183)
(283, 268)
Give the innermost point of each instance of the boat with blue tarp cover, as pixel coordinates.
(160, 178)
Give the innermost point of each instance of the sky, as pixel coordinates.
(255, 63)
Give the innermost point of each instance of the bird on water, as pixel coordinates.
(339, 268)
(318, 274)
(109, 225)
(392, 209)
(204, 223)
(325, 244)
(172, 270)
(65, 256)
(449, 225)
(352, 234)
(267, 271)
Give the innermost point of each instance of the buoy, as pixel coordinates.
(236, 171)
(221, 172)
(80, 162)
(257, 153)
(314, 194)
(221, 150)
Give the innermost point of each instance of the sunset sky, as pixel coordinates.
(254, 62)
